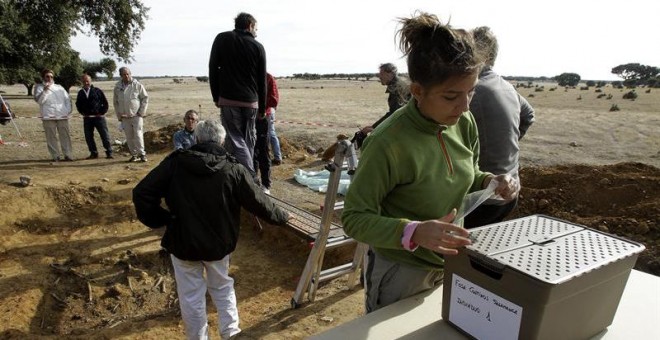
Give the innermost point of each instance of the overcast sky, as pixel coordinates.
(537, 38)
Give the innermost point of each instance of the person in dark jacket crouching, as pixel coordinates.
(204, 188)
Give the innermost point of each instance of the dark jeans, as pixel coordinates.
(488, 214)
(241, 137)
(101, 126)
(261, 158)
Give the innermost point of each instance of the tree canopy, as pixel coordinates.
(106, 66)
(636, 73)
(567, 79)
(35, 34)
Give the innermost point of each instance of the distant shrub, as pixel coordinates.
(538, 89)
(531, 95)
(632, 95)
(552, 89)
(601, 95)
(584, 88)
(648, 91)
(579, 97)
(203, 79)
(591, 83)
(614, 107)
(609, 96)
(598, 90)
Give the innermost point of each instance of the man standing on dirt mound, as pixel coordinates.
(130, 102)
(237, 76)
(398, 92)
(204, 188)
(503, 117)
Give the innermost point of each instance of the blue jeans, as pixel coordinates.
(241, 135)
(98, 123)
(274, 141)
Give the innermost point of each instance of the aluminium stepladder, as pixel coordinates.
(312, 274)
(11, 117)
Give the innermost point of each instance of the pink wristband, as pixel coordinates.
(406, 239)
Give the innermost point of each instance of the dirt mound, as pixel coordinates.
(622, 199)
(93, 293)
(161, 140)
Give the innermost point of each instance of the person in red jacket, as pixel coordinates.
(272, 99)
(263, 126)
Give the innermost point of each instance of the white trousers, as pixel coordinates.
(191, 285)
(133, 128)
(58, 127)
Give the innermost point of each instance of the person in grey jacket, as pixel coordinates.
(204, 188)
(130, 101)
(503, 117)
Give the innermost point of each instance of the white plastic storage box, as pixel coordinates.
(536, 277)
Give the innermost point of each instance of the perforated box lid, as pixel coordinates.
(549, 249)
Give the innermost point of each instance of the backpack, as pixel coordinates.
(5, 113)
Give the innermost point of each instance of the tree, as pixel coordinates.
(35, 34)
(70, 72)
(106, 66)
(567, 79)
(636, 73)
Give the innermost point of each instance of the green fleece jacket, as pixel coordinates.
(411, 169)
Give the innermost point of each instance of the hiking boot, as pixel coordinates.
(133, 159)
(276, 162)
(142, 159)
(93, 156)
(109, 156)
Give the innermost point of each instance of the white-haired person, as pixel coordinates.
(204, 188)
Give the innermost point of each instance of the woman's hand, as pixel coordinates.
(441, 236)
(507, 186)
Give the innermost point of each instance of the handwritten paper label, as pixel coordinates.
(481, 313)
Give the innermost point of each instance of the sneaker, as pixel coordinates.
(276, 162)
(133, 159)
(93, 156)
(142, 159)
(229, 336)
(266, 191)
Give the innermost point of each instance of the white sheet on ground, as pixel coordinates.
(318, 180)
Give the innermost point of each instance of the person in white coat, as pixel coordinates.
(55, 110)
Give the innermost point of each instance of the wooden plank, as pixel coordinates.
(305, 223)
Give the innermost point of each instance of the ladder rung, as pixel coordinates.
(339, 243)
(338, 206)
(335, 272)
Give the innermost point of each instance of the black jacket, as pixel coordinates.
(237, 68)
(95, 104)
(204, 189)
